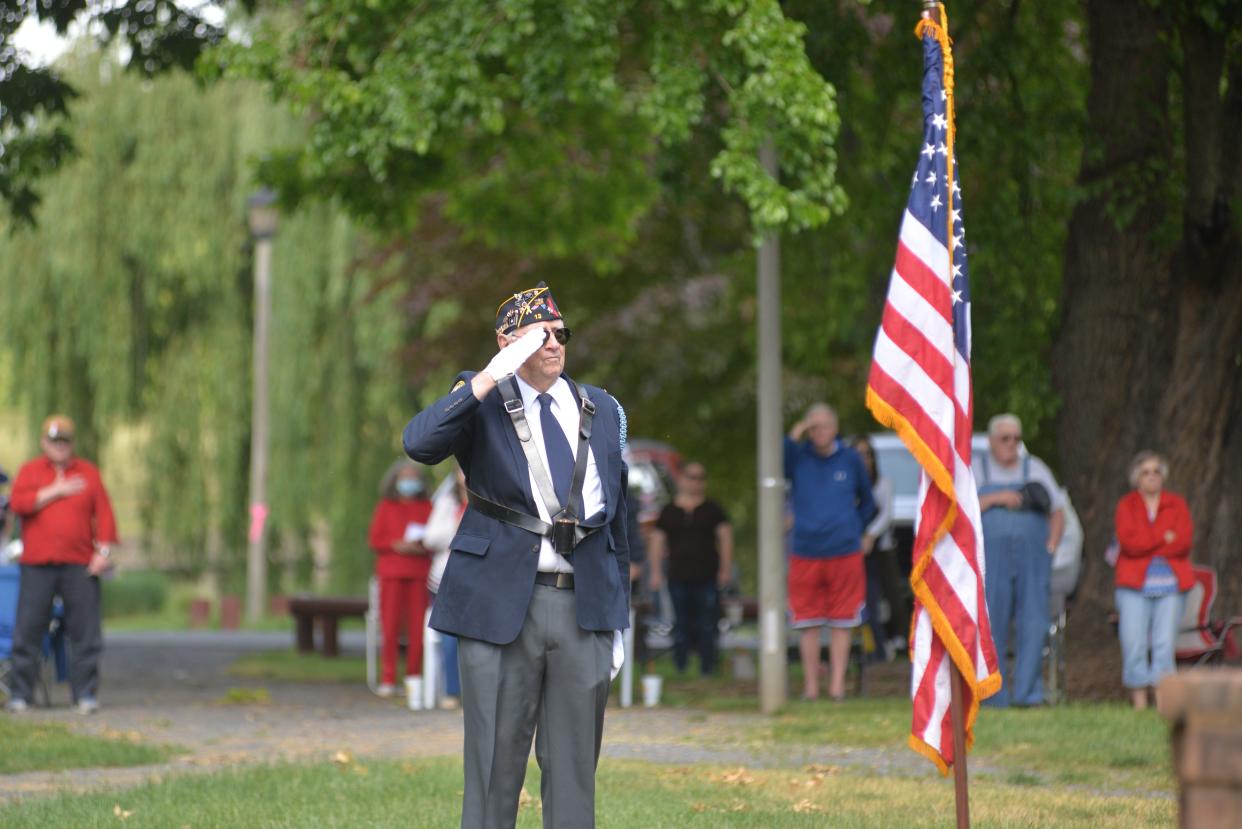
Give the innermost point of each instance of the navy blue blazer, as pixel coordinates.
(490, 576)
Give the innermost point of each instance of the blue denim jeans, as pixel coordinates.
(697, 609)
(1145, 624)
(1016, 583)
(448, 653)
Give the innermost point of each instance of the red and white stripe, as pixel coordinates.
(920, 386)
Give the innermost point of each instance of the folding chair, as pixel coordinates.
(373, 633)
(1063, 583)
(1202, 640)
(54, 653)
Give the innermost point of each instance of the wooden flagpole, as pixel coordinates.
(961, 785)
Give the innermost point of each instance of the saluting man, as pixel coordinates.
(537, 584)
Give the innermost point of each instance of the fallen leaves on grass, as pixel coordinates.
(123, 814)
(525, 801)
(737, 777)
(346, 762)
(817, 776)
(805, 806)
(125, 736)
(821, 771)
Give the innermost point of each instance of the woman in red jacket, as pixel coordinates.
(401, 565)
(1154, 532)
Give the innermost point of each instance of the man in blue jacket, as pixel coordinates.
(537, 582)
(832, 505)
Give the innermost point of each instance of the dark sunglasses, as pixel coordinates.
(1009, 438)
(61, 440)
(562, 335)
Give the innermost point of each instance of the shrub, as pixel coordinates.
(136, 591)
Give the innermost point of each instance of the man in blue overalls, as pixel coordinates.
(1021, 531)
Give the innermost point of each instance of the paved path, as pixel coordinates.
(166, 688)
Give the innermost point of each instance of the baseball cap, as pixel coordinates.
(57, 426)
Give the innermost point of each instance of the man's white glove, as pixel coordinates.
(510, 358)
(618, 654)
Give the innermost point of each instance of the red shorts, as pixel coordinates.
(827, 591)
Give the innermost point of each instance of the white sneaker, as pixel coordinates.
(88, 705)
(17, 705)
(386, 689)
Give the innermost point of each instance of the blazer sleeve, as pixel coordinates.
(445, 427)
(621, 523)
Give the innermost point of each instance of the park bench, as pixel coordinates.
(326, 611)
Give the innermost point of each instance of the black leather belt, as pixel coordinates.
(563, 581)
(510, 516)
(518, 519)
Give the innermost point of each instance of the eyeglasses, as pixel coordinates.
(61, 439)
(1008, 438)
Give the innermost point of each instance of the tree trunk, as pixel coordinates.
(1149, 355)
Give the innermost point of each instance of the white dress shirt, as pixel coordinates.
(566, 409)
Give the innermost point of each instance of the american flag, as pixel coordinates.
(920, 386)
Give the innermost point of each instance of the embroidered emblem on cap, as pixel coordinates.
(525, 307)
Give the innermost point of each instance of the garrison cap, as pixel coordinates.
(531, 305)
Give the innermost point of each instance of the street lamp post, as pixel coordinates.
(772, 661)
(263, 219)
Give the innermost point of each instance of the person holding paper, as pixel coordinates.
(402, 562)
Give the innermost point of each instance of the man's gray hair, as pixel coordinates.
(821, 407)
(1006, 419)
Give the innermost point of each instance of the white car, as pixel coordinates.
(897, 464)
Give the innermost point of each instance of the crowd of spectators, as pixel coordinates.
(842, 560)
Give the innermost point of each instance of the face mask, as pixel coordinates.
(409, 487)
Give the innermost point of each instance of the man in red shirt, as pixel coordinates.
(67, 527)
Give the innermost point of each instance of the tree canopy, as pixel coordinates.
(542, 125)
(442, 155)
(35, 139)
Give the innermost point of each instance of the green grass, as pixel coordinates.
(291, 666)
(630, 794)
(1096, 745)
(39, 746)
(245, 696)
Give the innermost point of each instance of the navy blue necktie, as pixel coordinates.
(560, 456)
